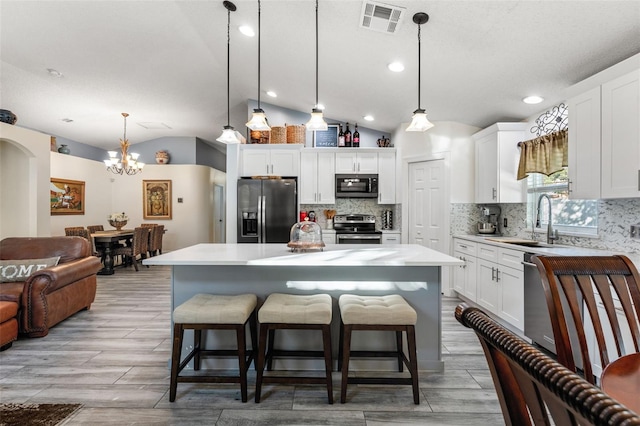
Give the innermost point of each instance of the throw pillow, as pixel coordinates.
(20, 270)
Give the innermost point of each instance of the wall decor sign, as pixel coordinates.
(66, 196)
(157, 199)
(326, 138)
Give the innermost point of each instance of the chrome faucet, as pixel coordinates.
(552, 234)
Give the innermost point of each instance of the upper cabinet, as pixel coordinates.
(270, 161)
(387, 177)
(357, 162)
(317, 177)
(497, 158)
(604, 133)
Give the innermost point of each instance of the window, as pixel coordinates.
(578, 217)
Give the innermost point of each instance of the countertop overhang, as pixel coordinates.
(280, 255)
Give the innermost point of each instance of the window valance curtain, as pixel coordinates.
(545, 154)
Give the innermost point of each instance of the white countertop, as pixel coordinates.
(280, 255)
(548, 249)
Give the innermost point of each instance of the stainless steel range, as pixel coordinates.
(356, 229)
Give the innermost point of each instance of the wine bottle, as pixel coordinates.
(347, 136)
(356, 137)
(341, 137)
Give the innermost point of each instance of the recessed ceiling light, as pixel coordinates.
(532, 100)
(368, 117)
(272, 93)
(54, 73)
(396, 67)
(246, 30)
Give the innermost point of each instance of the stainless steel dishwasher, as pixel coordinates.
(537, 321)
(537, 324)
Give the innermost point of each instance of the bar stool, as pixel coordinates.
(286, 311)
(213, 312)
(383, 313)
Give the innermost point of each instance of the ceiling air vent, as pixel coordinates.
(381, 17)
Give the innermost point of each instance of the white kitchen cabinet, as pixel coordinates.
(270, 161)
(387, 177)
(621, 137)
(497, 157)
(584, 145)
(353, 161)
(390, 237)
(317, 181)
(464, 276)
(329, 236)
(500, 283)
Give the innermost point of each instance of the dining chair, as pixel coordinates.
(533, 388)
(155, 240)
(591, 290)
(94, 228)
(74, 231)
(138, 247)
(79, 231)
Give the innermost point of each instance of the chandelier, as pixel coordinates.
(128, 163)
(419, 122)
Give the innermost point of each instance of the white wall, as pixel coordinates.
(24, 182)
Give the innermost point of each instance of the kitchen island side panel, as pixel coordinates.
(419, 285)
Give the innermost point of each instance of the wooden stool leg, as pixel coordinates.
(413, 362)
(399, 349)
(254, 339)
(262, 343)
(326, 343)
(346, 352)
(176, 352)
(242, 360)
(197, 341)
(272, 338)
(340, 340)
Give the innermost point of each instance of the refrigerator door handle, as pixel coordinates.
(263, 220)
(259, 219)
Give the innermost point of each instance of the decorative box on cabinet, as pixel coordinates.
(317, 182)
(270, 161)
(497, 158)
(356, 161)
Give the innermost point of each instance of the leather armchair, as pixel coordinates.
(52, 294)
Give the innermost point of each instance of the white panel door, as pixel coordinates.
(427, 204)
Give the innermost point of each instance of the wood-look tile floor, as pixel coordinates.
(113, 359)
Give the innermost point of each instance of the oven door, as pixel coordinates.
(358, 238)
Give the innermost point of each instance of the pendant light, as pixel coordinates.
(317, 121)
(419, 122)
(258, 119)
(228, 135)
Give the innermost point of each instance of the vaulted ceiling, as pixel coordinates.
(164, 62)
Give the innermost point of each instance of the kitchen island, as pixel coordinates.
(412, 271)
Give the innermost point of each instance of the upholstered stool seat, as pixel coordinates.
(213, 312)
(287, 311)
(8, 323)
(383, 313)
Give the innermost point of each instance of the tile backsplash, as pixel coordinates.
(614, 220)
(355, 206)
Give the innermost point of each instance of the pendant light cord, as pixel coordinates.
(259, 9)
(419, 62)
(228, 64)
(316, 105)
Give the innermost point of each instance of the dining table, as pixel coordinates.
(621, 380)
(106, 241)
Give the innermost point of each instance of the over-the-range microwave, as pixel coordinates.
(356, 186)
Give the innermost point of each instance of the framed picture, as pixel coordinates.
(326, 138)
(156, 199)
(66, 196)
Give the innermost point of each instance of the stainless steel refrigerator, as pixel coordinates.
(267, 208)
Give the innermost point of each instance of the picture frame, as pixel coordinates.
(326, 138)
(157, 199)
(66, 196)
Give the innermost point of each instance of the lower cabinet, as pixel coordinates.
(493, 278)
(389, 237)
(328, 236)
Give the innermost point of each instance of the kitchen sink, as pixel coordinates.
(526, 243)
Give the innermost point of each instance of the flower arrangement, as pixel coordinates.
(118, 217)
